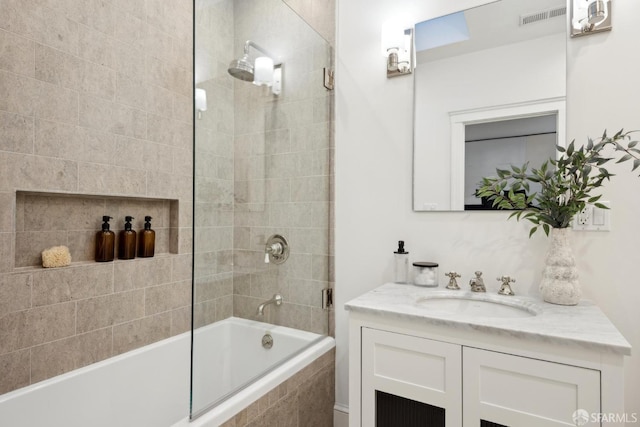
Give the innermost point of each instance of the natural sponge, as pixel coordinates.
(57, 256)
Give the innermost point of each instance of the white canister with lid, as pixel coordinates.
(425, 274)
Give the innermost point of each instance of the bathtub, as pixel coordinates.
(250, 370)
(149, 387)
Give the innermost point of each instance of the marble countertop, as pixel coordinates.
(584, 324)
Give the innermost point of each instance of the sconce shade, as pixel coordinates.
(263, 69)
(392, 37)
(597, 12)
(201, 100)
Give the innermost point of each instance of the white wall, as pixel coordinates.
(373, 177)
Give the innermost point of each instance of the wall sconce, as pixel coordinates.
(397, 47)
(590, 16)
(201, 101)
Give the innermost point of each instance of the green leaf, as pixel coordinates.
(532, 231)
(546, 228)
(601, 206)
(632, 144)
(624, 158)
(594, 199)
(560, 148)
(570, 148)
(636, 163)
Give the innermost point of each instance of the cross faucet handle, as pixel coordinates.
(452, 280)
(505, 288)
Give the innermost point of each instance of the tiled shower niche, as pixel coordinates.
(44, 220)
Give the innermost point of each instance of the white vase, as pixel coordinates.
(559, 283)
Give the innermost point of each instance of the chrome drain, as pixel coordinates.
(267, 341)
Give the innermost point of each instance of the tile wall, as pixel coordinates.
(95, 102)
(214, 164)
(304, 400)
(282, 170)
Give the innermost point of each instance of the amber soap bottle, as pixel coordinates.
(147, 243)
(105, 242)
(127, 241)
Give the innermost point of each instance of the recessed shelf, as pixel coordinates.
(43, 220)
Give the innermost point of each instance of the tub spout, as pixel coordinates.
(277, 300)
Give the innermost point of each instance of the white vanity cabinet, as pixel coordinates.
(405, 365)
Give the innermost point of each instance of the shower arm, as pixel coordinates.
(249, 43)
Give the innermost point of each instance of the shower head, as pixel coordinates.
(241, 68)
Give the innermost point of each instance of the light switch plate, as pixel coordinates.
(593, 218)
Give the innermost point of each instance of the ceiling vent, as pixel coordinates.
(543, 15)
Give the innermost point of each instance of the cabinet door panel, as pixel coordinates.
(415, 368)
(513, 390)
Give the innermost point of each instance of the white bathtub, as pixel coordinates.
(149, 387)
(223, 362)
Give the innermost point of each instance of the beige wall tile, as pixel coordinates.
(16, 133)
(38, 173)
(56, 103)
(51, 286)
(15, 293)
(7, 212)
(130, 29)
(15, 369)
(18, 94)
(182, 108)
(82, 245)
(35, 326)
(96, 47)
(141, 273)
(167, 297)
(180, 320)
(99, 312)
(103, 179)
(58, 357)
(138, 333)
(30, 244)
(134, 7)
(98, 14)
(7, 259)
(72, 142)
(130, 61)
(57, 213)
(40, 23)
(16, 54)
(160, 101)
(130, 92)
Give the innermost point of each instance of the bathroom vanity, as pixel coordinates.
(458, 358)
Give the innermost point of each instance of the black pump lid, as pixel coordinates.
(401, 248)
(147, 224)
(105, 225)
(127, 224)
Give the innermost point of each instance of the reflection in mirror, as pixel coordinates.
(501, 144)
(496, 57)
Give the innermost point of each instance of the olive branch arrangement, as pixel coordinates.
(566, 183)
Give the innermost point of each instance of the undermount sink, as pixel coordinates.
(475, 307)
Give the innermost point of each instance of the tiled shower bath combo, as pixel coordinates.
(96, 102)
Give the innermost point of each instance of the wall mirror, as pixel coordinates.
(489, 90)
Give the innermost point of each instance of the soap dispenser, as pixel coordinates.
(147, 243)
(127, 241)
(401, 264)
(105, 242)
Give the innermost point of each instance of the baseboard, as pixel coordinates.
(340, 416)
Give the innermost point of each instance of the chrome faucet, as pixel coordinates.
(277, 300)
(477, 283)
